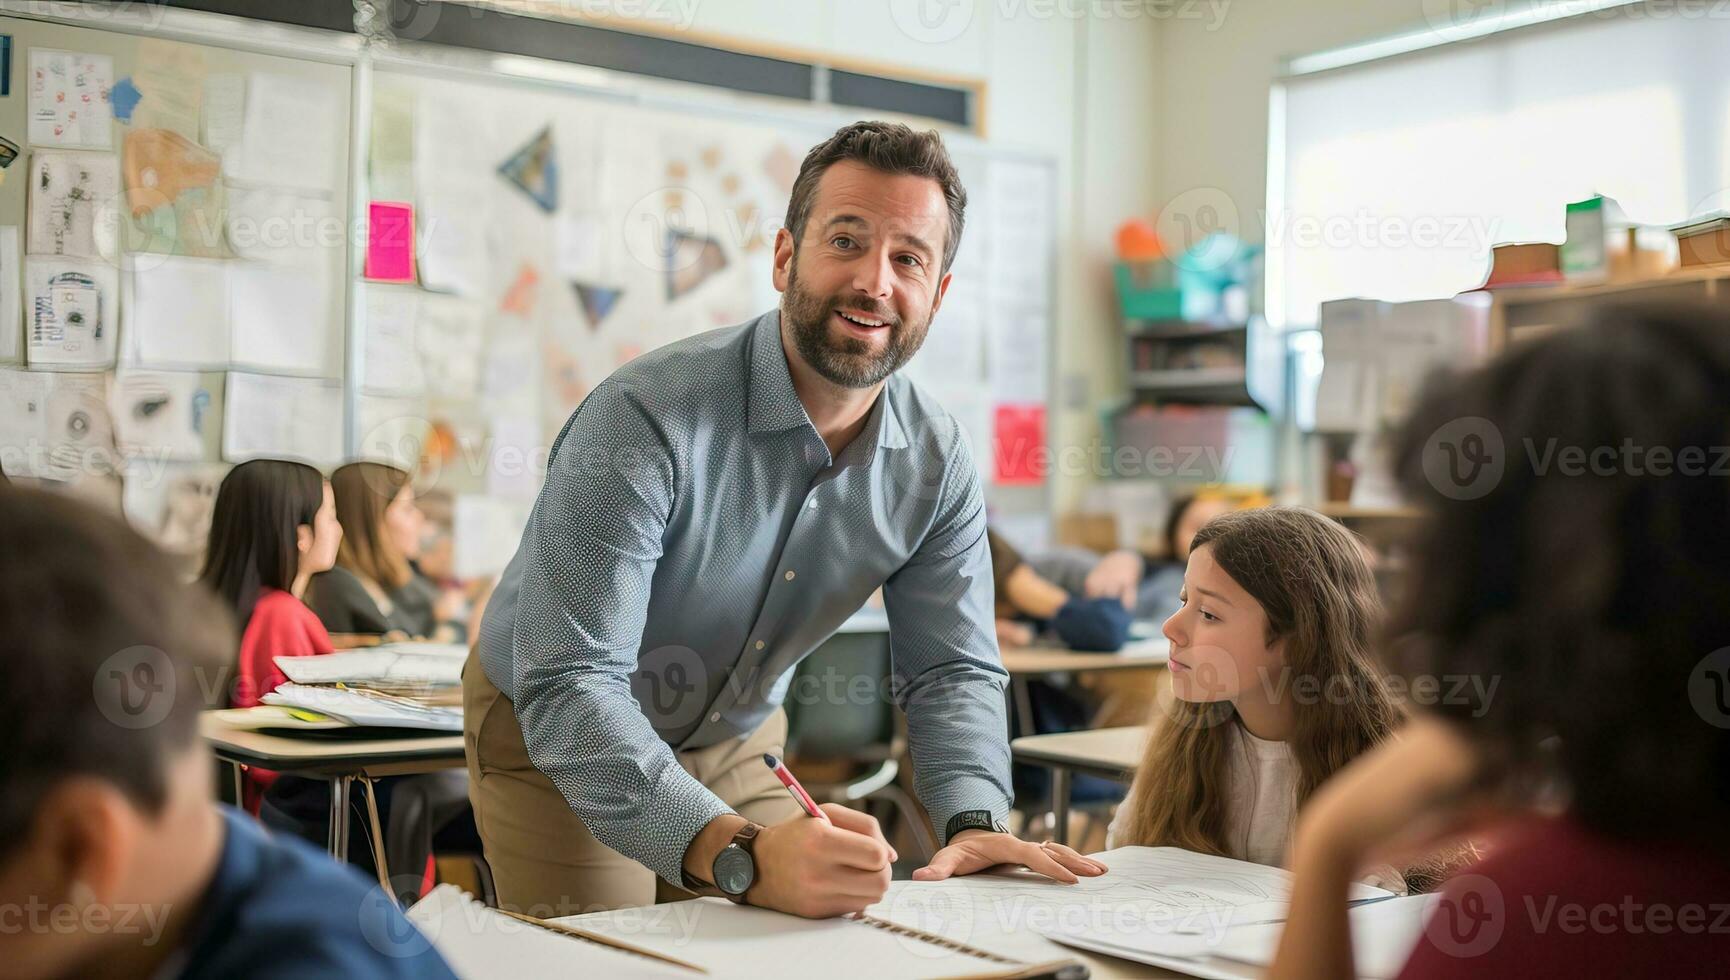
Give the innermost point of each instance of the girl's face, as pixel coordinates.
(318, 544)
(403, 521)
(1219, 648)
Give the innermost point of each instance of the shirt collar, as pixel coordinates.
(775, 407)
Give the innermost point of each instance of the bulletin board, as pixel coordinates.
(157, 285)
(446, 291)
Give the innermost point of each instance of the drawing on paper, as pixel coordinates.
(596, 301)
(535, 170)
(691, 261)
(71, 196)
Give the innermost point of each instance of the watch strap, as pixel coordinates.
(971, 820)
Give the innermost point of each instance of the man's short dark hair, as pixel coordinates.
(104, 660)
(893, 148)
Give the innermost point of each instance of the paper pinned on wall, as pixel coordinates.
(280, 105)
(74, 204)
(282, 318)
(69, 99)
(1018, 439)
(1016, 353)
(390, 242)
(451, 334)
(393, 430)
(452, 232)
(224, 118)
(294, 418)
(176, 312)
(73, 307)
(516, 459)
(55, 426)
(171, 503)
(164, 414)
(268, 225)
(170, 76)
(392, 361)
(11, 306)
(486, 532)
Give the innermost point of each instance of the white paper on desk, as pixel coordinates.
(1165, 890)
(282, 318)
(11, 305)
(164, 414)
(373, 666)
(731, 939)
(1384, 933)
(289, 135)
(74, 204)
(177, 312)
(426, 648)
(393, 361)
(363, 710)
(73, 312)
(478, 942)
(69, 99)
(297, 418)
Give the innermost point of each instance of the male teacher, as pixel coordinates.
(712, 512)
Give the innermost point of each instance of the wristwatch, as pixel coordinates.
(734, 870)
(971, 820)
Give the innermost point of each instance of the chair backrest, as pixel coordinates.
(838, 704)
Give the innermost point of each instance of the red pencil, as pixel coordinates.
(786, 777)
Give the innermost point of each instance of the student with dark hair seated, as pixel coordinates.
(376, 586)
(1575, 567)
(106, 820)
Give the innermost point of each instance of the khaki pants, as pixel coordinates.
(543, 859)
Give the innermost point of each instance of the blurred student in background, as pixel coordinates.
(377, 586)
(1586, 606)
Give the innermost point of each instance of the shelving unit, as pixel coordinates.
(1202, 363)
(1519, 313)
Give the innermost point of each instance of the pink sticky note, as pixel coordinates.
(1021, 455)
(390, 242)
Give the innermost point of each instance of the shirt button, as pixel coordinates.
(714, 717)
(789, 575)
(813, 503)
(759, 644)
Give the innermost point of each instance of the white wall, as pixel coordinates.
(1082, 90)
(1217, 76)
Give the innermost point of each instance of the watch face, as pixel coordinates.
(734, 870)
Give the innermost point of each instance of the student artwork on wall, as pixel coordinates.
(72, 311)
(165, 414)
(173, 197)
(55, 426)
(535, 170)
(596, 301)
(172, 503)
(691, 261)
(73, 204)
(69, 99)
(11, 308)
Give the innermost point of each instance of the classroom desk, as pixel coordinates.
(1024, 663)
(1110, 753)
(340, 761)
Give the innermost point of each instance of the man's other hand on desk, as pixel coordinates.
(978, 850)
(817, 869)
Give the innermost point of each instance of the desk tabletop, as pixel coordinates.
(326, 755)
(1102, 750)
(1054, 660)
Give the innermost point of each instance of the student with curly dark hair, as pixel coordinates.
(1578, 555)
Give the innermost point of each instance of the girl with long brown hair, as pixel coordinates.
(1274, 687)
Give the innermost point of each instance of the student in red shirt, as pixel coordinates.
(273, 528)
(1569, 601)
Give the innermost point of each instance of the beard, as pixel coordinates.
(847, 361)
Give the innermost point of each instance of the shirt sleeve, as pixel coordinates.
(949, 678)
(589, 556)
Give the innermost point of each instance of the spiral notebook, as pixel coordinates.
(706, 937)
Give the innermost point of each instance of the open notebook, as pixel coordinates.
(706, 937)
